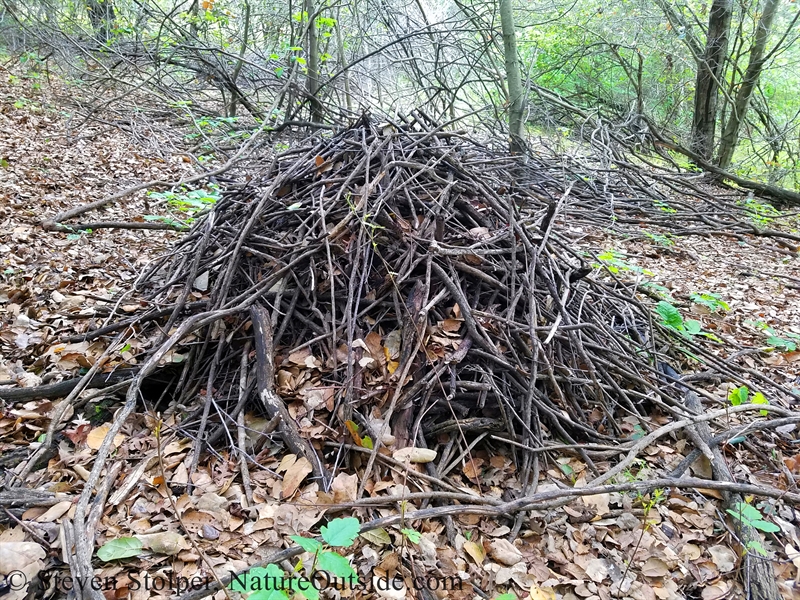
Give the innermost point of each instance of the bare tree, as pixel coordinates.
(516, 101)
(312, 52)
(101, 15)
(710, 70)
(730, 135)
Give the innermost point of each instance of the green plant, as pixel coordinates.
(711, 301)
(412, 535)
(664, 207)
(189, 202)
(741, 395)
(662, 240)
(662, 291)
(271, 583)
(672, 318)
(759, 213)
(750, 516)
(613, 261)
(778, 342)
(125, 547)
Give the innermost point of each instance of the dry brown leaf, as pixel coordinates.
(654, 567)
(716, 591)
(55, 512)
(24, 561)
(96, 436)
(505, 552)
(599, 502)
(164, 542)
(286, 463)
(542, 593)
(723, 557)
(473, 468)
(414, 455)
(344, 488)
(294, 477)
(475, 550)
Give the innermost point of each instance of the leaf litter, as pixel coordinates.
(613, 544)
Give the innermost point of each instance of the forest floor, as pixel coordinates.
(56, 284)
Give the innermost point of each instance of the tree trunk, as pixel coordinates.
(709, 75)
(312, 63)
(730, 136)
(242, 52)
(101, 16)
(343, 63)
(516, 102)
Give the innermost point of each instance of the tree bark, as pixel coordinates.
(710, 70)
(101, 16)
(343, 64)
(516, 103)
(312, 63)
(730, 136)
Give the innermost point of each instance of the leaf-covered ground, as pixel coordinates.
(665, 544)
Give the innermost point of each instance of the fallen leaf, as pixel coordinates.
(723, 557)
(96, 436)
(542, 593)
(164, 542)
(505, 552)
(654, 567)
(475, 551)
(294, 477)
(414, 455)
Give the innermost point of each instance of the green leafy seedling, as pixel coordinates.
(341, 532)
(672, 318)
(711, 301)
(741, 395)
(413, 535)
(750, 516)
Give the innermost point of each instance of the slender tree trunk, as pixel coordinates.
(516, 102)
(312, 63)
(101, 16)
(709, 76)
(194, 9)
(348, 96)
(240, 62)
(730, 136)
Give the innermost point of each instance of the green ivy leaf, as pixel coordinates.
(781, 344)
(766, 526)
(310, 592)
(126, 547)
(670, 315)
(739, 395)
(307, 544)
(759, 398)
(269, 595)
(341, 532)
(745, 513)
(757, 547)
(335, 563)
(508, 596)
(256, 578)
(413, 535)
(692, 327)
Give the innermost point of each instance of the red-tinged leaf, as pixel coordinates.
(78, 435)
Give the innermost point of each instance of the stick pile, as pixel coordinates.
(414, 282)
